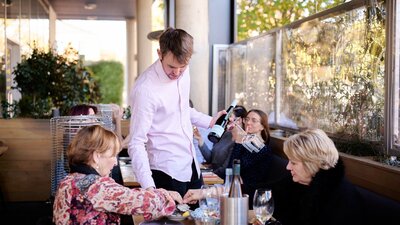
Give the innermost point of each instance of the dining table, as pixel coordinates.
(137, 220)
(129, 179)
(3, 148)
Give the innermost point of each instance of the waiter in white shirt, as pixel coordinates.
(161, 144)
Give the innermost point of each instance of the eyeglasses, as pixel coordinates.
(253, 120)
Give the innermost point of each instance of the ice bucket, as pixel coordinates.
(234, 210)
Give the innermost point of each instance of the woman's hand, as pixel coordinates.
(192, 196)
(197, 136)
(117, 112)
(176, 196)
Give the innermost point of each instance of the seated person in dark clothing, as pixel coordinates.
(318, 193)
(117, 113)
(220, 154)
(257, 167)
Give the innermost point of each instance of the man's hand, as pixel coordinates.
(192, 196)
(215, 118)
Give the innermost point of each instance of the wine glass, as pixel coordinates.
(210, 203)
(263, 205)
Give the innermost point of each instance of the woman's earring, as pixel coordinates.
(97, 167)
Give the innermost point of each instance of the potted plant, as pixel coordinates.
(49, 80)
(46, 80)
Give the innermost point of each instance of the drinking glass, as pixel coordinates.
(210, 204)
(263, 205)
(253, 143)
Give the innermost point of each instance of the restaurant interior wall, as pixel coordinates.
(325, 71)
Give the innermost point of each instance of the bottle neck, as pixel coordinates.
(236, 170)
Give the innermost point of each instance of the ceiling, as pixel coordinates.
(105, 9)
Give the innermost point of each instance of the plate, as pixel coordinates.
(177, 217)
(161, 222)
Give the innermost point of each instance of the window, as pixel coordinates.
(325, 71)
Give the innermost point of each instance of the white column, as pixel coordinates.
(52, 28)
(192, 16)
(144, 54)
(131, 58)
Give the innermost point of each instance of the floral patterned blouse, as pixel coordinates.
(92, 199)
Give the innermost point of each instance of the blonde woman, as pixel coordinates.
(89, 196)
(319, 193)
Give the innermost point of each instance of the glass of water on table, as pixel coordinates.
(210, 203)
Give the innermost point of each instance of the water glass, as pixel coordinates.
(210, 204)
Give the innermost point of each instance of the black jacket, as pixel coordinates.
(329, 200)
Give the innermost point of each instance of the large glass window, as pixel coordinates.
(326, 71)
(255, 17)
(23, 24)
(334, 74)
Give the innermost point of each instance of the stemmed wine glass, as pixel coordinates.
(210, 204)
(263, 205)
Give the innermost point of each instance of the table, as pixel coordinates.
(129, 178)
(138, 219)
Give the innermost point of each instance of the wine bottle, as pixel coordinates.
(236, 188)
(219, 128)
(228, 180)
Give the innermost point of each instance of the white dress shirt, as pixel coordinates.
(161, 126)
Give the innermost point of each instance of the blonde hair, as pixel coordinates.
(313, 148)
(91, 139)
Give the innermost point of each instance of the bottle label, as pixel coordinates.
(218, 130)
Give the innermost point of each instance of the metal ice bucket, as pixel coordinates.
(234, 210)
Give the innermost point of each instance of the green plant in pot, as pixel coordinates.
(49, 80)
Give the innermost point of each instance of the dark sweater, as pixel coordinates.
(258, 170)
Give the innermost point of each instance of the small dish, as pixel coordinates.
(177, 217)
(161, 222)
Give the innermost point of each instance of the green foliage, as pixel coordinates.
(8, 109)
(47, 80)
(343, 86)
(111, 76)
(258, 16)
